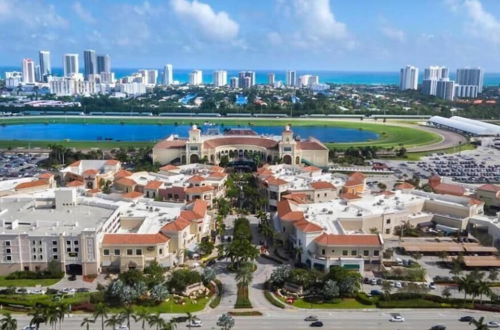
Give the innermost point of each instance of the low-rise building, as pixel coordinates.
(91, 172)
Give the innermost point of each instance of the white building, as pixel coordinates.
(445, 89)
(28, 71)
(13, 79)
(132, 88)
(291, 78)
(432, 75)
(234, 82)
(168, 75)
(71, 65)
(471, 76)
(150, 76)
(219, 78)
(65, 86)
(408, 78)
(466, 91)
(308, 80)
(196, 77)
(45, 67)
(271, 78)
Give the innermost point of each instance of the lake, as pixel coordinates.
(153, 132)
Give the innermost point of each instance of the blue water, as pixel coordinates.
(338, 77)
(131, 132)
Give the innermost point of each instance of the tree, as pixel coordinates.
(493, 275)
(280, 275)
(159, 293)
(101, 310)
(86, 322)
(208, 275)
(51, 316)
(244, 274)
(126, 314)
(206, 246)
(37, 316)
(331, 290)
(387, 288)
(479, 323)
(446, 293)
(226, 322)
(181, 278)
(240, 251)
(465, 284)
(154, 274)
(155, 320)
(114, 321)
(141, 316)
(483, 289)
(7, 322)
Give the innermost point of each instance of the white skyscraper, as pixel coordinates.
(219, 78)
(291, 78)
(408, 78)
(234, 82)
(152, 77)
(196, 77)
(271, 78)
(45, 67)
(168, 74)
(468, 76)
(28, 71)
(445, 89)
(432, 75)
(71, 65)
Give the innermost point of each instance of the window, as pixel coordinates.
(105, 252)
(34, 249)
(130, 252)
(160, 251)
(333, 251)
(40, 242)
(75, 242)
(54, 242)
(7, 251)
(68, 249)
(325, 194)
(7, 243)
(34, 257)
(388, 231)
(40, 250)
(366, 253)
(323, 251)
(40, 257)
(117, 252)
(33, 243)
(54, 250)
(77, 249)
(388, 221)
(318, 195)
(138, 252)
(376, 253)
(344, 252)
(68, 242)
(354, 252)
(55, 257)
(8, 258)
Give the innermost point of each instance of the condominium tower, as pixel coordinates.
(45, 68)
(70, 65)
(90, 63)
(408, 78)
(168, 74)
(219, 78)
(28, 71)
(471, 76)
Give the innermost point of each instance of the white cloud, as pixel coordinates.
(83, 13)
(393, 33)
(209, 25)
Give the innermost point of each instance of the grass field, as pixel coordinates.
(418, 155)
(171, 307)
(347, 303)
(389, 134)
(27, 282)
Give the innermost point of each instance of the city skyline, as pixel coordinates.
(262, 35)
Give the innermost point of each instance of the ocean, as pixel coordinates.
(337, 77)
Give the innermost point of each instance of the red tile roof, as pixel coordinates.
(122, 174)
(293, 216)
(255, 141)
(322, 185)
(489, 187)
(275, 181)
(307, 227)
(348, 240)
(311, 169)
(196, 178)
(311, 144)
(132, 195)
(45, 175)
(31, 184)
(300, 198)
(449, 189)
(75, 183)
(199, 207)
(404, 185)
(134, 239)
(153, 185)
(284, 206)
(112, 162)
(168, 167)
(198, 190)
(217, 169)
(90, 171)
(355, 179)
(126, 182)
(179, 224)
(171, 144)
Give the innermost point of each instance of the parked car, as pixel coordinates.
(376, 293)
(195, 323)
(311, 318)
(317, 324)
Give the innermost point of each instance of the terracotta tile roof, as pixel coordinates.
(171, 144)
(473, 201)
(449, 189)
(284, 206)
(349, 196)
(134, 239)
(126, 182)
(153, 185)
(75, 183)
(348, 240)
(404, 185)
(45, 175)
(293, 216)
(322, 185)
(75, 164)
(90, 171)
(122, 174)
(196, 178)
(199, 207)
(198, 190)
(355, 179)
(385, 193)
(307, 227)
(168, 167)
(132, 195)
(311, 144)
(179, 224)
(300, 198)
(217, 169)
(489, 187)
(217, 175)
(311, 169)
(255, 141)
(275, 181)
(112, 162)
(188, 215)
(31, 184)
(94, 191)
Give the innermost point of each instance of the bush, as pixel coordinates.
(272, 299)
(362, 298)
(411, 303)
(29, 275)
(216, 301)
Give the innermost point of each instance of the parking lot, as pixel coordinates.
(17, 165)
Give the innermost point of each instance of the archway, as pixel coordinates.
(194, 159)
(297, 160)
(287, 159)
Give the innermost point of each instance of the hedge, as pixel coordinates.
(272, 299)
(216, 301)
(362, 298)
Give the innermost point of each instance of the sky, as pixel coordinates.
(340, 35)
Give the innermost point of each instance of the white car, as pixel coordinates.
(398, 285)
(397, 318)
(121, 327)
(493, 324)
(195, 324)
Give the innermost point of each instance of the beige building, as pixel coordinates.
(489, 194)
(91, 173)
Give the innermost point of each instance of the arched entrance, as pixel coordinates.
(297, 160)
(194, 159)
(132, 265)
(287, 159)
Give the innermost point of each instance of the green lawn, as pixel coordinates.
(390, 133)
(171, 307)
(29, 300)
(418, 155)
(347, 303)
(27, 282)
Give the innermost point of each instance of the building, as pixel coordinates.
(90, 173)
(466, 91)
(445, 89)
(132, 88)
(239, 144)
(149, 77)
(196, 77)
(471, 76)
(103, 64)
(291, 78)
(45, 67)
(90, 63)
(234, 82)
(308, 80)
(432, 75)
(246, 79)
(168, 75)
(271, 78)
(408, 78)
(219, 78)
(71, 66)
(246, 82)
(490, 195)
(28, 71)
(465, 125)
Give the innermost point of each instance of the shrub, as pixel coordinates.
(242, 300)
(216, 301)
(272, 299)
(362, 298)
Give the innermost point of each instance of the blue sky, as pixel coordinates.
(374, 35)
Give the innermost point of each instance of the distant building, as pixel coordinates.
(291, 78)
(466, 91)
(445, 89)
(28, 71)
(472, 76)
(90, 63)
(45, 67)
(246, 83)
(271, 78)
(168, 75)
(308, 80)
(71, 65)
(408, 78)
(432, 75)
(132, 88)
(13, 79)
(103, 64)
(196, 77)
(234, 82)
(219, 78)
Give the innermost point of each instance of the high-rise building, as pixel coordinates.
(168, 74)
(308, 80)
(435, 73)
(28, 71)
(45, 67)
(90, 63)
(471, 76)
(241, 78)
(291, 78)
(445, 89)
(152, 78)
(38, 73)
(219, 78)
(196, 77)
(71, 65)
(246, 83)
(234, 82)
(466, 91)
(408, 78)
(103, 64)
(271, 78)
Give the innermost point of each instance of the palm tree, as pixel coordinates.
(483, 288)
(60, 311)
(465, 284)
(170, 325)
(141, 316)
(37, 317)
(190, 318)
(86, 322)
(101, 310)
(126, 314)
(479, 323)
(156, 320)
(51, 316)
(113, 321)
(8, 322)
(244, 274)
